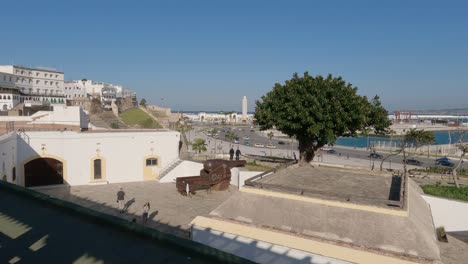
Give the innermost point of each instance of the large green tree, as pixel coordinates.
(317, 110)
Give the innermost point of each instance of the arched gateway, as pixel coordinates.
(43, 171)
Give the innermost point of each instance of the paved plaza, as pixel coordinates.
(170, 211)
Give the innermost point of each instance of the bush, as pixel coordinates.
(450, 192)
(114, 125)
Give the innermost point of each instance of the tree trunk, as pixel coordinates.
(306, 152)
(404, 163)
(384, 159)
(454, 171)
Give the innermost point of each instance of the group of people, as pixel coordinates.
(231, 154)
(121, 205)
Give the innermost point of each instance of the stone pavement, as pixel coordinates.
(170, 212)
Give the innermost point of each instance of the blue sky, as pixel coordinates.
(206, 55)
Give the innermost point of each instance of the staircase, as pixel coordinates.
(169, 168)
(106, 119)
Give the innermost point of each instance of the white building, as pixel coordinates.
(9, 96)
(74, 90)
(37, 86)
(81, 158)
(107, 92)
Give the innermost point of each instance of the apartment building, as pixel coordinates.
(36, 86)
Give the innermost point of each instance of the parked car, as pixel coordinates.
(246, 138)
(281, 142)
(331, 151)
(444, 163)
(247, 143)
(442, 159)
(413, 162)
(259, 145)
(375, 155)
(326, 148)
(271, 146)
(236, 141)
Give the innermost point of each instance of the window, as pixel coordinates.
(37, 74)
(97, 169)
(37, 81)
(45, 74)
(45, 82)
(151, 162)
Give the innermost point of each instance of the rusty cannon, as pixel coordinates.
(215, 175)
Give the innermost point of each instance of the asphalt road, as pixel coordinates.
(222, 145)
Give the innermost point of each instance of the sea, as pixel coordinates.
(441, 138)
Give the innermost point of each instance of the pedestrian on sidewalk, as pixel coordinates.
(121, 200)
(231, 154)
(146, 209)
(238, 152)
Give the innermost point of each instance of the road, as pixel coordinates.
(221, 144)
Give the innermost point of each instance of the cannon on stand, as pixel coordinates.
(215, 175)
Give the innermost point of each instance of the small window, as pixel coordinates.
(37, 81)
(151, 162)
(97, 169)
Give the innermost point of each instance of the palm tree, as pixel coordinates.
(231, 136)
(270, 135)
(199, 145)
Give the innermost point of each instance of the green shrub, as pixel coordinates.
(114, 125)
(450, 192)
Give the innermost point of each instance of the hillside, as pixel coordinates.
(137, 118)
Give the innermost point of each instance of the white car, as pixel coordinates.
(236, 141)
(246, 138)
(326, 148)
(271, 146)
(259, 145)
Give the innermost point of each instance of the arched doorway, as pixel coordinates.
(43, 171)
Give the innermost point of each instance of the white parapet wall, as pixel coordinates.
(452, 215)
(184, 169)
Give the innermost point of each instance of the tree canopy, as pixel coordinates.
(317, 110)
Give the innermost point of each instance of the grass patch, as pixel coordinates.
(136, 117)
(442, 170)
(253, 166)
(450, 192)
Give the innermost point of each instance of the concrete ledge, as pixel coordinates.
(296, 242)
(108, 220)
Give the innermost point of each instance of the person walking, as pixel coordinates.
(231, 154)
(238, 152)
(121, 200)
(146, 209)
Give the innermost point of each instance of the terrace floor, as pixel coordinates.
(170, 212)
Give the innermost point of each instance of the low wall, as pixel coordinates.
(184, 169)
(451, 214)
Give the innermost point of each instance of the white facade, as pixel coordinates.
(74, 90)
(35, 81)
(244, 108)
(38, 86)
(123, 156)
(9, 96)
(106, 91)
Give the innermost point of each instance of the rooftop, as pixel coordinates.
(405, 235)
(335, 184)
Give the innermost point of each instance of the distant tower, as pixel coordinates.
(244, 108)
